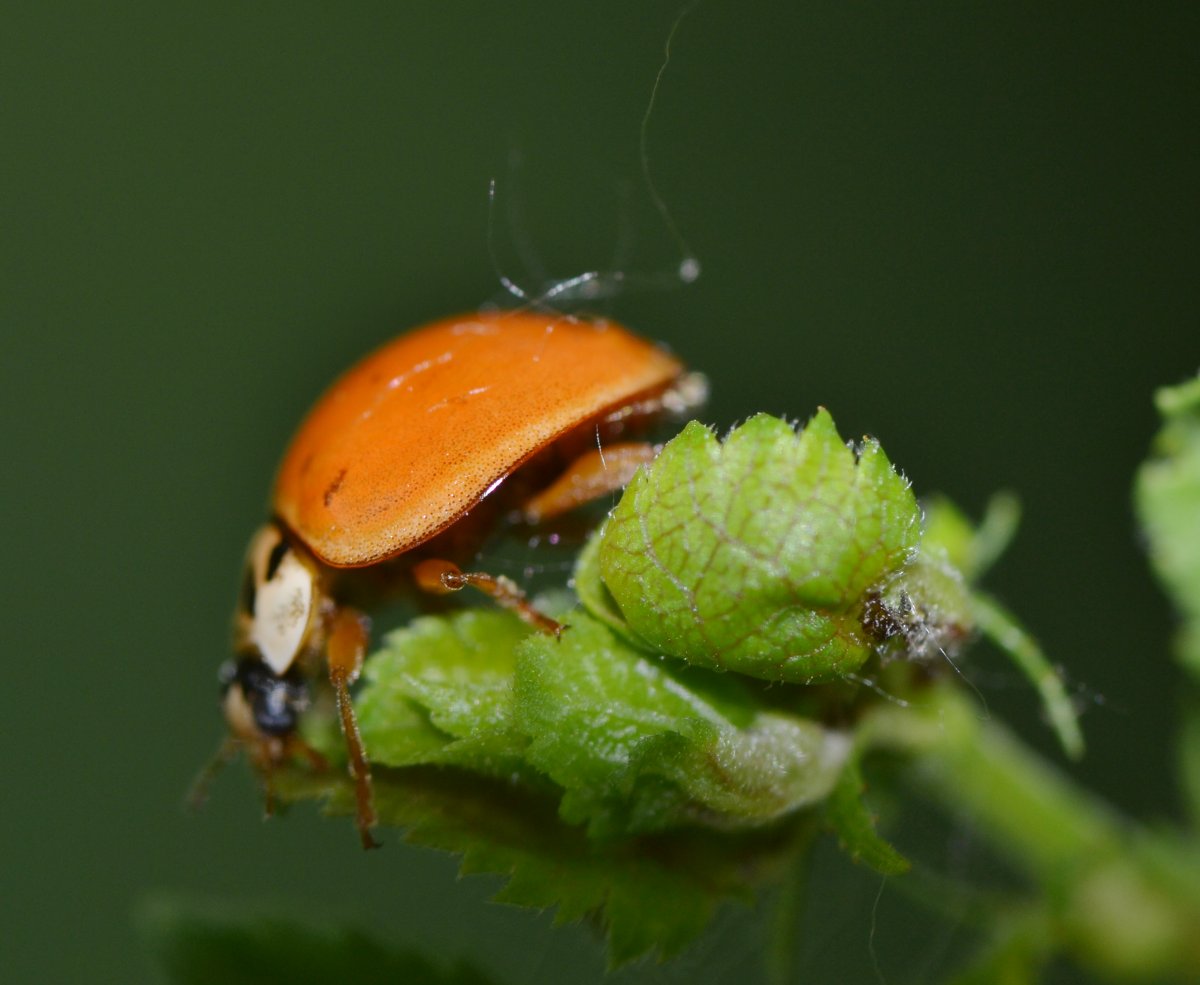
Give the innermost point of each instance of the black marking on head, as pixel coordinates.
(276, 701)
(334, 486)
(275, 559)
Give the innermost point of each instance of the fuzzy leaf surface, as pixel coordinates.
(641, 744)
(440, 691)
(756, 554)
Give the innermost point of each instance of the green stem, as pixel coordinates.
(1119, 899)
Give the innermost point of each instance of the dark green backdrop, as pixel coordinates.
(970, 232)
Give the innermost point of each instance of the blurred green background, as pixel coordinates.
(971, 232)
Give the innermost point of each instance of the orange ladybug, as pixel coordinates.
(412, 455)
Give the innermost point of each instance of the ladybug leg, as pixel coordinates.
(610, 466)
(266, 755)
(345, 647)
(297, 746)
(443, 577)
(224, 755)
(268, 789)
(593, 474)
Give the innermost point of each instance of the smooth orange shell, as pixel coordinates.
(417, 433)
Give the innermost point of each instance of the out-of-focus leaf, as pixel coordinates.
(1189, 760)
(1016, 953)
(197, 945)
(1167, 494)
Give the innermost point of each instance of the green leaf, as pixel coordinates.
(197, 944)
(440, 691)
(591, 728)
(651, 894)
(635, 745)
(1167, 495)
(786, 556)
(642, 744)
(588, 582)
(758, 554)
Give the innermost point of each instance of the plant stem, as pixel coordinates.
(1120, 899)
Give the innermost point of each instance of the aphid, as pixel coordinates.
(402, 466)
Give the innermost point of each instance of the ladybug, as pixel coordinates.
(402, 467)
